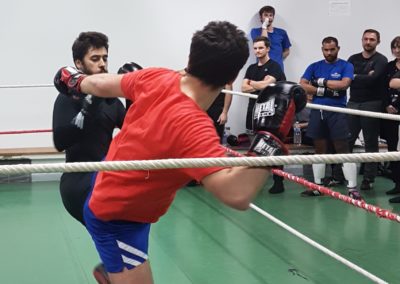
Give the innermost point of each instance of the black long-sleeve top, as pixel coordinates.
(90, 143)
(367, 86)
(390, 93)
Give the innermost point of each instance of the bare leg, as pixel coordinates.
(140, 275)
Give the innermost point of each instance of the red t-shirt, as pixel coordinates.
(162, 123)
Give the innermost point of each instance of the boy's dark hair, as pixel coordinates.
(330, 39)
(217, 53)
(266, 9)
(264, 39)
(85, 41)
(378, 35)
(395, 42)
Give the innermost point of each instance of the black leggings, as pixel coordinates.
(214, 112)
(390, 132)
(74, 189)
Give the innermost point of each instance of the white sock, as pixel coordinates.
(350, 174)
(319, 172)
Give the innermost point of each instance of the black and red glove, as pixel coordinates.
(68, 80)
(266, 144)
(273, 115)
(276, 106)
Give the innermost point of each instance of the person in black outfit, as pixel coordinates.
(366, 94)
(83, 127)
(258, 76)
(89, 143)
(218, 111)
(391, 104)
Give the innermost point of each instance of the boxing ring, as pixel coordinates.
(285, 238)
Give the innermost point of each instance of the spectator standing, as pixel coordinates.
(258, 76)
(280, 43)
(366, 94)
(327, 80)
(391, 103)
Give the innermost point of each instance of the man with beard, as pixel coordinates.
(366, 93)
(83, 126)
(258, 76)
(327, 80)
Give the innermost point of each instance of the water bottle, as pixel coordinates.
(297, 133)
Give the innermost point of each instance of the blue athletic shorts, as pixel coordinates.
(327, 125)
(120, 244)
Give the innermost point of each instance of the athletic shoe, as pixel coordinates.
(353, 193)
(309, 192)
(366, 184)
(100, 274)
(395, 199)
(395, 190)
(277, 187)
(331, 181)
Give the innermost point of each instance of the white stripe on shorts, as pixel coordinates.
(131, 249)
(130, 261)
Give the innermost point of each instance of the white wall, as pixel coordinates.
(36, 39)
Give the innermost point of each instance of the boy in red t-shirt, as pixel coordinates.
(168, 120)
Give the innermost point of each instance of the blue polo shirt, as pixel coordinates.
(330, 71)
(279, 42)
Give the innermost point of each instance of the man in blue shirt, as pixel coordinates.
(326, 81)
(280, 43)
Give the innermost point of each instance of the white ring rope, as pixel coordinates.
(309, 105)
(331, 108)
(318, 246)
(199, 163)
(240, 94)
(366, 113)
(26, 86)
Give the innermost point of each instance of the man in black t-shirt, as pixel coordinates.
(258, 76)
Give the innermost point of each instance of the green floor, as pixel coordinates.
(200, 241)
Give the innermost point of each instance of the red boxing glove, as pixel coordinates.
(68, 80)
